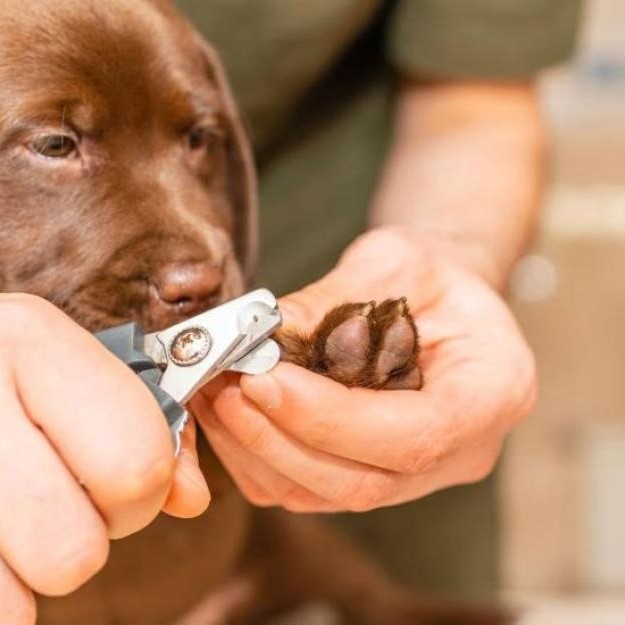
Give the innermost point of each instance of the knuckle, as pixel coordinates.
(370, 493)
(483, 466)
(529, 391)
(298, 506)
(524, 381)
(72, 564)
(143, 477)
(299, 500)
(483, 470)
(255, 494)
(321, 432)
(254, 439)
(480, 472)
(258, 498)
(425, 451)
(422, 458)
(362, 503)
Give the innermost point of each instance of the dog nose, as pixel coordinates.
(188, 285)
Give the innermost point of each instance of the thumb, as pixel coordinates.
(304, 309)
(370, 269)
(189, 495)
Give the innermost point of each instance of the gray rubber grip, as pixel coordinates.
(126, 342)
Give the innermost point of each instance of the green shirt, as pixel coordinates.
(314, 79)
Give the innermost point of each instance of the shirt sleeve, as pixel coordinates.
(500, 39)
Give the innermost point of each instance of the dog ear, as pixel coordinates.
(242, 181)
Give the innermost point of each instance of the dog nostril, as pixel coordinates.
(187, 284)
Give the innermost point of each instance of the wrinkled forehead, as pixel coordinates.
(117, 58)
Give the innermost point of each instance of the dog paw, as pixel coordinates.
(363, 344)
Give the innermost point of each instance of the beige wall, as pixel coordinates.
(563, 479)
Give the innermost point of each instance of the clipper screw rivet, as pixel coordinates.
(190, 346)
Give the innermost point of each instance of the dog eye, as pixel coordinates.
(54, 146)
(202, 138)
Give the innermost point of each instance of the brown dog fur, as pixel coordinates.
(160, 183)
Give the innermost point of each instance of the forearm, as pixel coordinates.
(466, 164)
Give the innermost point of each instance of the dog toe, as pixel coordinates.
(361, 344)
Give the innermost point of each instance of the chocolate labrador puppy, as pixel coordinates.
(128, 193)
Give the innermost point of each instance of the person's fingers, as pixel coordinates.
(189, 495)
(235, 461)
(399, 431)
(342, 482)
(260, 483)
(98, 415)
(17, 603)
(50, 533)
(475, 384)
(467, 465)
(257, 477)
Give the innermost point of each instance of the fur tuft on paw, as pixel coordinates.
(360, 344)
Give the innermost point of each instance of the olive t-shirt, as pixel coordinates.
(314, 79)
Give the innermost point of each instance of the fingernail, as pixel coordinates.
(263, 390)
(190, 472)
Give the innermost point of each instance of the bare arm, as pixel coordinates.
(466, 163)
(461, 187)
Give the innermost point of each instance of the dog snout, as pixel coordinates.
(188, 286)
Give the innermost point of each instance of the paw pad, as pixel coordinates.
(361, 344)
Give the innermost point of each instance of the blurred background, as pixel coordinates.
(562, 481)
(560, 512)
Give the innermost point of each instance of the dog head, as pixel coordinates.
(127, 187)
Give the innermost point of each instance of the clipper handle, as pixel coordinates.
(126, 342)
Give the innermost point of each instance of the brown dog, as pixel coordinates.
(128, 193)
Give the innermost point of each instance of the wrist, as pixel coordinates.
(471, 254)
(465, 173)
(398, 245)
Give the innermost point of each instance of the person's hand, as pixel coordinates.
(85, 456)
(302, 441)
